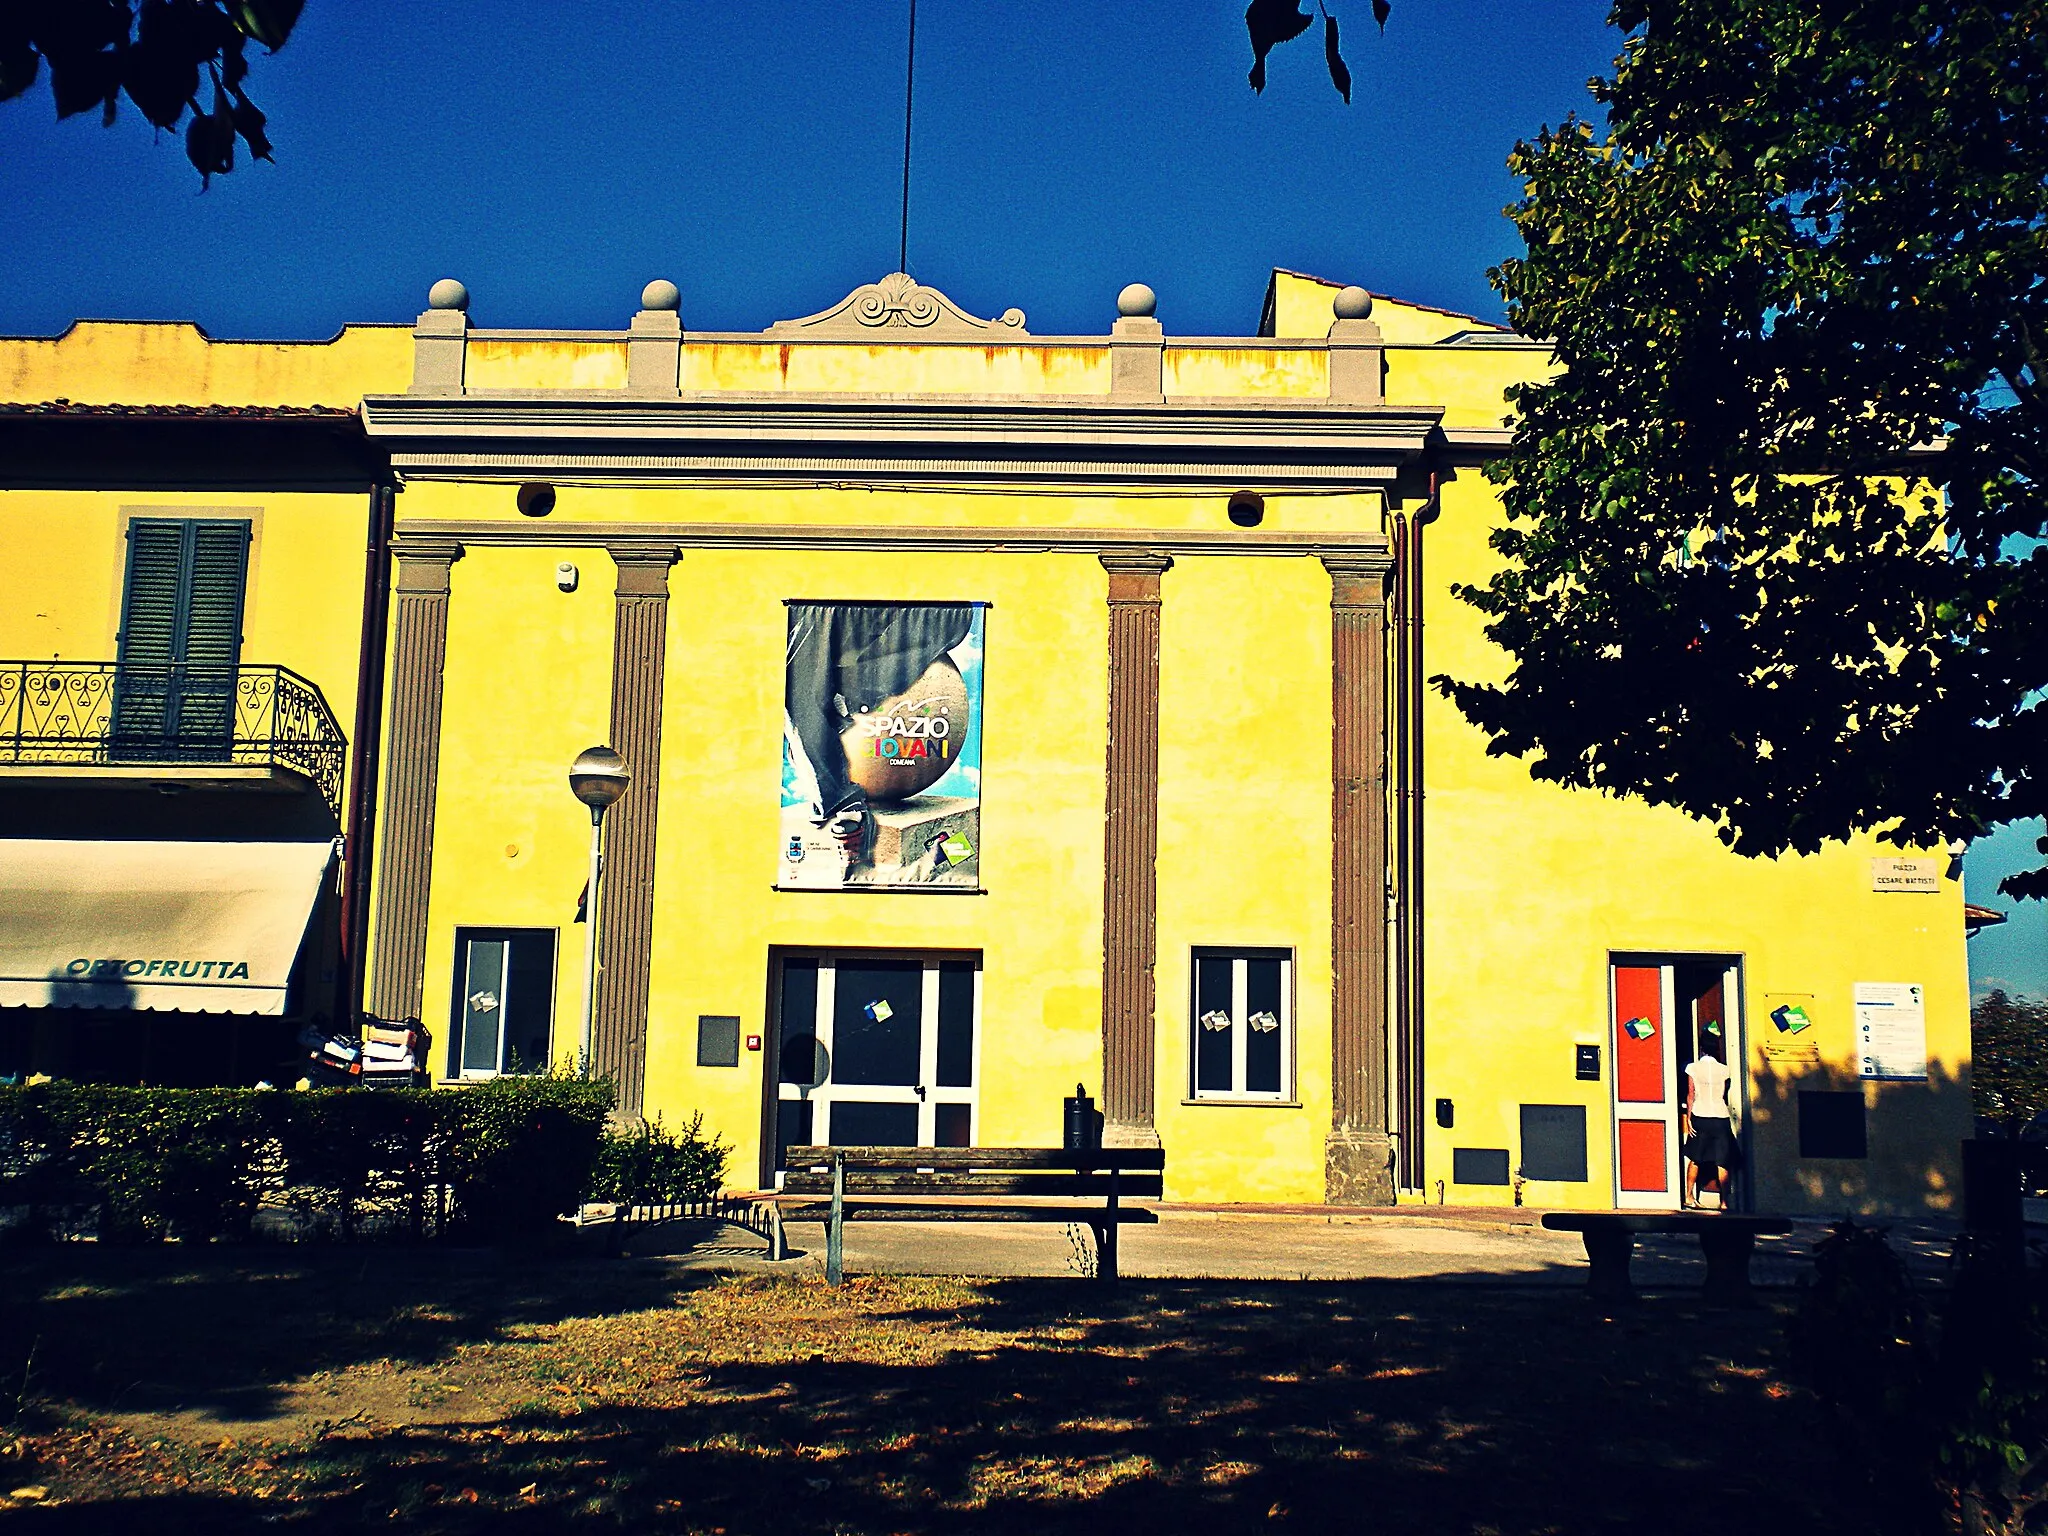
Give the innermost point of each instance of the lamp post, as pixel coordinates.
(598, 777)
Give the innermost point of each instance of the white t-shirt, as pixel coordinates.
(1710, 1080)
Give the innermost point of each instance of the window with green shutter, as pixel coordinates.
(181, 636)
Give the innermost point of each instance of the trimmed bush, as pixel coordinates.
(169, 1162)
(651, 1166)
(356, 1162)
(498, 1162)
(521, 1152)
(39, 1166)
(152, 1162)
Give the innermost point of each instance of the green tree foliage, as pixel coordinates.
(2009, 1059)
(1808, 248)
(1269, 23)
(164, 55)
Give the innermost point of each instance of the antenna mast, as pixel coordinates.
(909, 86)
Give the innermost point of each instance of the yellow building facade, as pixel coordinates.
(188, 526)
(1005, 713)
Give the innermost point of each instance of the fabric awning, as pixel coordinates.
(198, 927)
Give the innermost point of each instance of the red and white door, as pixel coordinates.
(1662, 1010)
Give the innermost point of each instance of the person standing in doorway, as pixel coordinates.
(1709, 1134)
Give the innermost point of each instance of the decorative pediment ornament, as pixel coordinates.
(900, 303)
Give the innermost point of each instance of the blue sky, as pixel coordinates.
(556, 157)
(2014, 955)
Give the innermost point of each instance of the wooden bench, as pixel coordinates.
(1085, 1187)
(1726, 1239)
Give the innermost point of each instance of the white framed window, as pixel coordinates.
(1241, 1025)
(502, 1012)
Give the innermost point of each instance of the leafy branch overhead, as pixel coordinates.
(175, 60)
(1774, 551)
(1273, 22)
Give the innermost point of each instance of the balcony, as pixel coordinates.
(259, 727)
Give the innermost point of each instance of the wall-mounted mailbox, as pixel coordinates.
(1446, 1115)
(1588, 1059)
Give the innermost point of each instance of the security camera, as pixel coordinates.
(565, 576)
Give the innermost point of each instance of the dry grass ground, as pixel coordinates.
(319, 1391)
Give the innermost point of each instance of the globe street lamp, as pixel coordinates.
(598, 777)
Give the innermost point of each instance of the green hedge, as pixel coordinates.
(497, 1162)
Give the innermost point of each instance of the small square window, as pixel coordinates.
(1241, 1024)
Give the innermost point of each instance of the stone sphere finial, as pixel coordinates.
(1136, 301)
(1352, 303)
(448, 294)
(661, 294)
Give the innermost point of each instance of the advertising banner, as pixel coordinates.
(881, 747)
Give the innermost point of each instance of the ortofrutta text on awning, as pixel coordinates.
(196, 927)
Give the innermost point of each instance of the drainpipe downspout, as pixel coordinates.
(1404, 1068)
(1412, 940)
(369, 724)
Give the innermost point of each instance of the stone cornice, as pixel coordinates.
(1304, 444)
(1077, 341)
(1477, 443)
(665, 540)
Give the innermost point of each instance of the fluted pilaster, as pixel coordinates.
(1130, 851)
(1358, 1165)
(625, 935)
(412, 765)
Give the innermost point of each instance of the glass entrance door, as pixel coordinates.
(876, 1050)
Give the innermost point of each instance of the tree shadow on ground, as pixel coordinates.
(220, 1331)
(1011, 1407)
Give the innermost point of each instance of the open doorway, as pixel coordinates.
(1667, 1011)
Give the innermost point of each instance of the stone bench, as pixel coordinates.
(1727, 1240)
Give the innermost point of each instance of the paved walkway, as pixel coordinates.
(1492, 1247)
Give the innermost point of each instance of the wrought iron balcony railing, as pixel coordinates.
(106, 714)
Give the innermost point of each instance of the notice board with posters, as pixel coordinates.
(881, 747)
(1891, 1031)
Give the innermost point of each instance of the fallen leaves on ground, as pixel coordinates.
(596, 1396)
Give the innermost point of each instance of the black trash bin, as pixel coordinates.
(1083, 1123)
